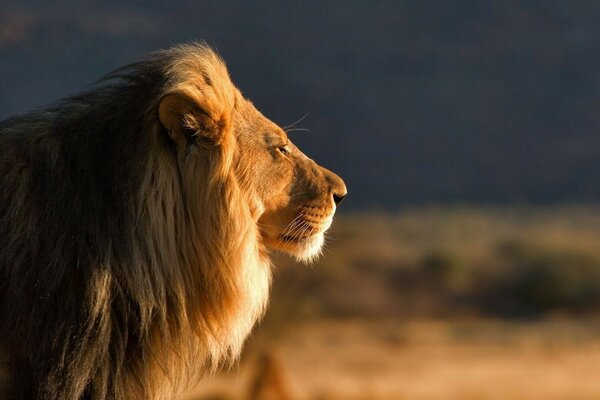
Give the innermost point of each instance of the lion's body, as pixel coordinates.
(127, 266)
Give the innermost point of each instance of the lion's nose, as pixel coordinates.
(338, 198)
(338, 188)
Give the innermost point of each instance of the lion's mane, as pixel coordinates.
(125, 270)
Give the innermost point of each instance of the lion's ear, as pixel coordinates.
(187, 120)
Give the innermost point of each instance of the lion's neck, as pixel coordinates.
(208, 276)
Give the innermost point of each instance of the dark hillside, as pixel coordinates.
(412, 102)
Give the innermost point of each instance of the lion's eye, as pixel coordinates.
(285, 150)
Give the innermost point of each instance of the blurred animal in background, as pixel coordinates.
(269, 380)
(136, 221)
(262, 376)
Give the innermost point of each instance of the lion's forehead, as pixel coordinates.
(251, 124)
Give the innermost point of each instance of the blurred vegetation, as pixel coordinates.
(449, 262)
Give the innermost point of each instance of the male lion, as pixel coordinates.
(135, 224)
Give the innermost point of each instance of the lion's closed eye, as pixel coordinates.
(284, 149)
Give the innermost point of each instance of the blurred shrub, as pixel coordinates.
(445, 269)
(534, 279)
(445, 262)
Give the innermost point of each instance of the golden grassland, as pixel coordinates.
(433, 303)
(420, 360)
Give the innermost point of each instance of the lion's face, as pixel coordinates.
(297, 197)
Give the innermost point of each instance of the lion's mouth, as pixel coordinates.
(303, 238)
(304, 248)
(298, 239)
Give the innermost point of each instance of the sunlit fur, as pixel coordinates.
(133, 253)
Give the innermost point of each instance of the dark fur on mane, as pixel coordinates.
(79, 179)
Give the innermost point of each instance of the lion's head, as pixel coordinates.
(135, 226)
(292, 197)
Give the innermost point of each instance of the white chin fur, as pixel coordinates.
(310, 250)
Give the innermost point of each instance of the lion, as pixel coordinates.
(136, 225)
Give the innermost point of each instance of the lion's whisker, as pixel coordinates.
(291, 225)
(285, 128)
(297, 130)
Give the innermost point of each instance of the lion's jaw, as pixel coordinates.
(303, 237)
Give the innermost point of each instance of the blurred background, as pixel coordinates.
(465, 262)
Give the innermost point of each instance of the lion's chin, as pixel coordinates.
(306, 249)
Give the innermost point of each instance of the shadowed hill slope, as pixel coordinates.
(428, 101)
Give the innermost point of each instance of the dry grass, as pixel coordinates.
(425, 360)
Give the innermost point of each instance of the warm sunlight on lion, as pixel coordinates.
(135, 225)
